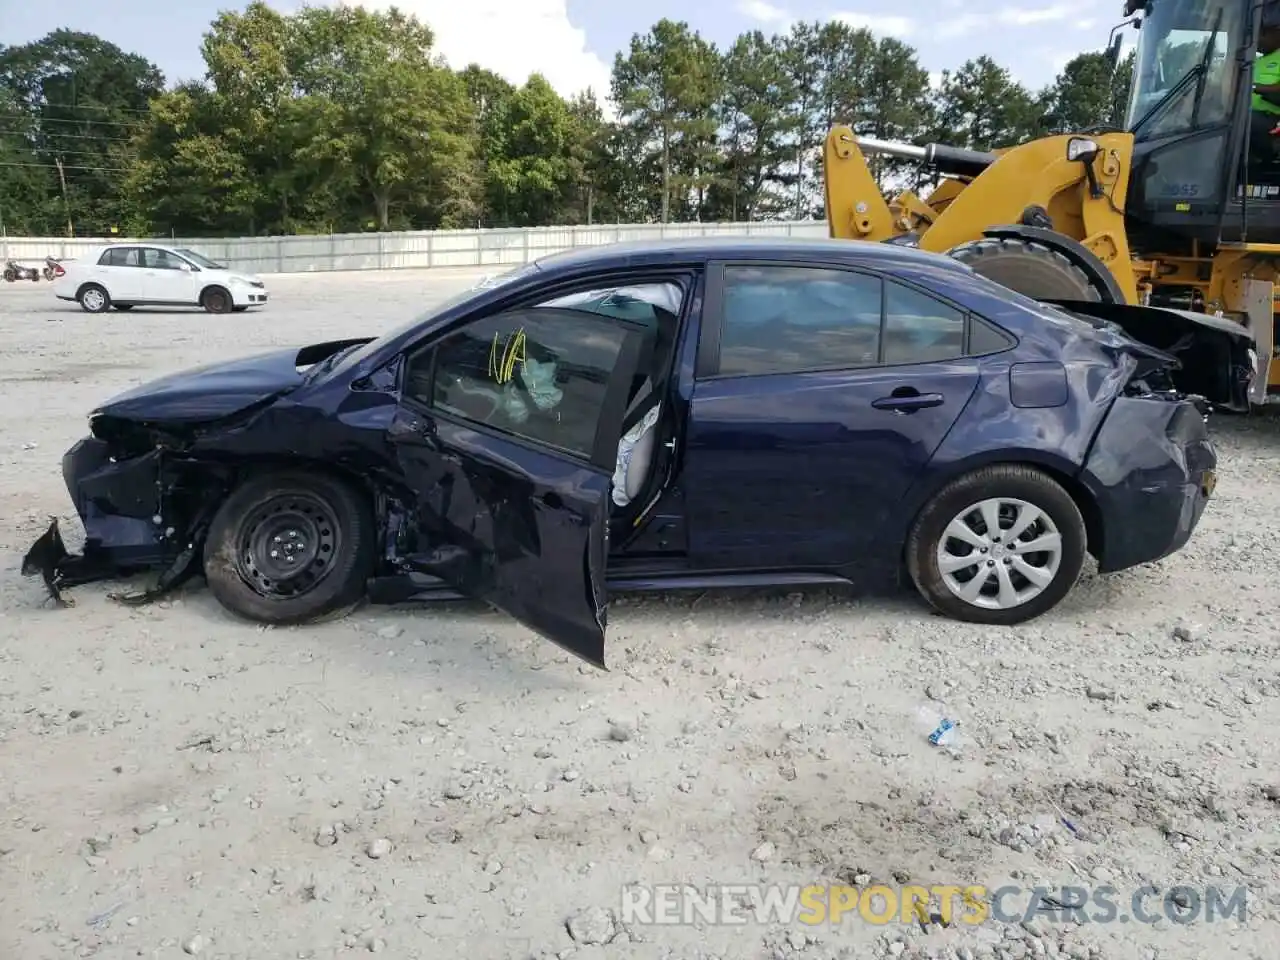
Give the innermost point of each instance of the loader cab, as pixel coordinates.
(1203, 162)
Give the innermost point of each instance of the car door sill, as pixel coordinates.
(420, 588)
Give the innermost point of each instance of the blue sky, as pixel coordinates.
(573, 41)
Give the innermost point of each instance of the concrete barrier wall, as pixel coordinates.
(410, 250)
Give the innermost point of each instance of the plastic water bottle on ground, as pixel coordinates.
(939, 728)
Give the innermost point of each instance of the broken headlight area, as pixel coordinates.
(141, 503)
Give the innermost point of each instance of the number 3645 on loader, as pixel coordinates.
(1169, 227)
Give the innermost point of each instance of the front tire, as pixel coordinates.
(94, 299)
(999, 546)
(216, 300)
(290, 547)
(1028, 268)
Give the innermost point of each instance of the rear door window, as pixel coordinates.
(120, 257)
(794, 319)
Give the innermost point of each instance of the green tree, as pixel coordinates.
(533, 172)
(251, 61)
(188, 179)
(78, 100)
(981, 107)
(1081, 96)
(24, 183)
(599, 171)
(666, 89)
(895, 101)
(399, 121)
(758, 128)
(801, 57)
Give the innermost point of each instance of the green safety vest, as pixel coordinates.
(1266, 71)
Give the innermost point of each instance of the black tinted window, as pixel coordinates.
(119, 257)
(539, 372)
(984, 338)
(920, 329)
(792, 319)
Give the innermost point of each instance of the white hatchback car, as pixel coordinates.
(127, 275)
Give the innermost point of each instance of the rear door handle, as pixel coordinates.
(908, 403)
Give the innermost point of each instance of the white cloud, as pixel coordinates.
(763, 12)
(1021, 17)
(513, 39)
(887, 25)
(968, 23)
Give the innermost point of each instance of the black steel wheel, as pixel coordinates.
(216, 300)
(287, 545)
(290, 547)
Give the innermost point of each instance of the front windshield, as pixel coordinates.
(1169, 94)
(200, 261)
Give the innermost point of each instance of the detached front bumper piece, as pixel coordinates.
(119, 503)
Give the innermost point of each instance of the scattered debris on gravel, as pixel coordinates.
(438, 781)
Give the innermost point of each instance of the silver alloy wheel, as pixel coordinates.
(999, 553)
(93, 299)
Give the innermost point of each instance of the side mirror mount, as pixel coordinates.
(1113, 53)
(1116, 40)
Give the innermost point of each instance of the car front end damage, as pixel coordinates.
(157, 463)
(142, 503)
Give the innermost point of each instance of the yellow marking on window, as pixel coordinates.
(503, 369)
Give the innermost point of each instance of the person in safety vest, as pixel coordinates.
(1265, 119)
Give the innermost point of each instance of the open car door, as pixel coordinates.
(507, 435)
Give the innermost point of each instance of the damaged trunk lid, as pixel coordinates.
(1195, 354)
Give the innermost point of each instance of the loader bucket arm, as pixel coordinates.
(856, 209)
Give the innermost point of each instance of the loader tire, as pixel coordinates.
(1027, 268)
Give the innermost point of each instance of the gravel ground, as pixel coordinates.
(437, 781)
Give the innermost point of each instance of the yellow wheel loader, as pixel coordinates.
(1169, 228)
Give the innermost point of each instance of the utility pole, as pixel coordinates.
(66, 204)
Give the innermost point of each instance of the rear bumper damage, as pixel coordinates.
(1152, 471)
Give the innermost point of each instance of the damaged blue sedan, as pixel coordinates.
(705, 413)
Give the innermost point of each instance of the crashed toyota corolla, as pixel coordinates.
(641, 416)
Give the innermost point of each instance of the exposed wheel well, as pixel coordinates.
(229, 480)
(86, 285)
(213, 286)
(1084, 501)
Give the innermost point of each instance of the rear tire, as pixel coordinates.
(290, 547)
(216, 300)
(93, 298)
(10, 275)
(1008, 580)
(1028, 268)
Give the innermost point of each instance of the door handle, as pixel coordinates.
(908, 400)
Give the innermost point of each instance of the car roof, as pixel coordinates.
(629, 253)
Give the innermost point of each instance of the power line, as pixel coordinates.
(96, 154)
(65, 166)
(36, 118)
(66, 136)
(33, 107)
